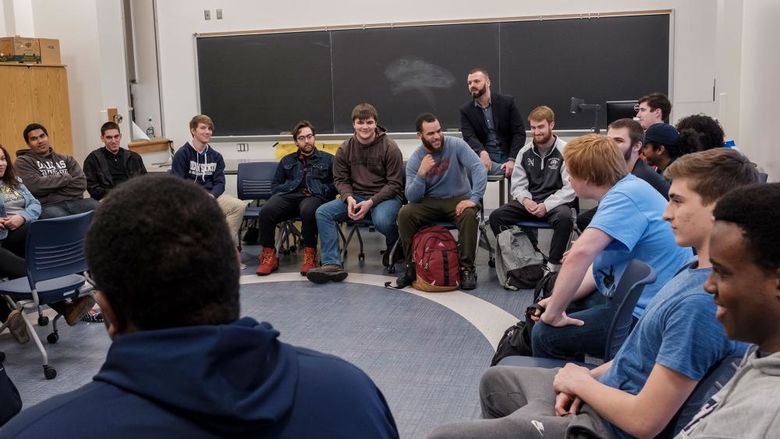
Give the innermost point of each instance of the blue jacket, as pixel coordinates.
(319, 174)
(206, 168)
(236, 380)
(32, 208)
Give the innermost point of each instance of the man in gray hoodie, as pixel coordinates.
(745, 284)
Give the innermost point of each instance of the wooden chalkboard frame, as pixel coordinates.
(503, 74)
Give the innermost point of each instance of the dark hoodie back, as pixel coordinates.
(234, 380)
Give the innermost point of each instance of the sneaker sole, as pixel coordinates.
(18, 329)
(323, 278)
(266, 274)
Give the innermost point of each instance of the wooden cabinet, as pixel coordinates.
(34, 93)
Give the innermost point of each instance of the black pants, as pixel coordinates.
(281, 207)
(12, 263)
(585, 218)
(560, 218)
(68, 207)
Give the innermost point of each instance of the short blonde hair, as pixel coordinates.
(596, 159)
(540, 113)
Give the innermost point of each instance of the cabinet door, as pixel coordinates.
(51, 107)
(16, 106)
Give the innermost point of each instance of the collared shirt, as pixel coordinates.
(487, 111)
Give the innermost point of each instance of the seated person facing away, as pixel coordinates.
(628, 225)
(540, 186)
(188, 366)
(369, 174)
(302, 183)
(108, 166)
(745, 284)
(56, 180)
(652, 109)
(492, 125)
(197, 161)
(673, 345)
(445, 181)
(628, 135)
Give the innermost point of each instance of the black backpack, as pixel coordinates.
(10, 401)
(517, 338)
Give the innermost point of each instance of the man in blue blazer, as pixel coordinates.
(492, 125)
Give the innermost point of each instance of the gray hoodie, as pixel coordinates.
(746, 407)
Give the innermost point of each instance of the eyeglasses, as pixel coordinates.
(304, 138)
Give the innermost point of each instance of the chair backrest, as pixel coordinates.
(629, 288)
(255, 180)
(55, 247)
(714, 380)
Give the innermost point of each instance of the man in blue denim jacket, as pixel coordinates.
(303, 181)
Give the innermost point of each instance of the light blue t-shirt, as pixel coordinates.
(457, 173)
(630, 213)
(678, 331)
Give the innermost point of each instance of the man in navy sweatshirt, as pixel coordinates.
(187, 366)
(199, 162)
(445, 181)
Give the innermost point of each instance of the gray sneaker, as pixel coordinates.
(326, 273)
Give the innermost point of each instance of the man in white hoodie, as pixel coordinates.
(745, 284)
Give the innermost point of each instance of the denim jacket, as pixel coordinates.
(319, 174)
(31, 212)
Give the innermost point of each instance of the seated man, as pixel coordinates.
(303, 181)
(627, 225)
(445, 181)
(670, 349)
(628, 135)
(56, 180)
(197, 161)
(108, 166)
(492, 125)
(540, 186)
(745, 284)
(662, 146)
(182, 363)
(706, 130)
(369, 175)
(652, 109)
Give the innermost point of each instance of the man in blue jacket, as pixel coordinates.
(197, 161)
(445, 181)
(188, 366)
(303, 181)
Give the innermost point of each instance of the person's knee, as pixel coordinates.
(326, 213)
(386, 221)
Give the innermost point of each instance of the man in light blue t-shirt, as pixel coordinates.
(445, 181)
(627, 225)
(676, 341)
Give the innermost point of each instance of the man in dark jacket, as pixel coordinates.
(188, 366)
(108, 166)
(492, 125)
(303, 181)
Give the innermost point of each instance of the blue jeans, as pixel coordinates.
(383, 215)
(571, 343)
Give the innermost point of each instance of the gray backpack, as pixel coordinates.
(518, 263)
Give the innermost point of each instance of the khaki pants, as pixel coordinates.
(414, 216)
(233, 209)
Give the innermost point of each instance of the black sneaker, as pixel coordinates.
(326, 273)
(407, 277)
(468, 280)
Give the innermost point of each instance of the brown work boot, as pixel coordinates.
(17, 327)
(309, 260)
(73, 312)
(326, 273)
(268, 262)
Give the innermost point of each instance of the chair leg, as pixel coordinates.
(361, 255)
(48, 371)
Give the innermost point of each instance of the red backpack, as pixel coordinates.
(436, 260)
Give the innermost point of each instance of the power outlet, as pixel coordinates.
(242, 147)
(206, 14)
(219, 14)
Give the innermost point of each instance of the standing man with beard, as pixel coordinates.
(492, 125)
(303, 182)
(445, 181)
(540, 186)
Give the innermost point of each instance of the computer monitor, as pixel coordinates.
(620, 109)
